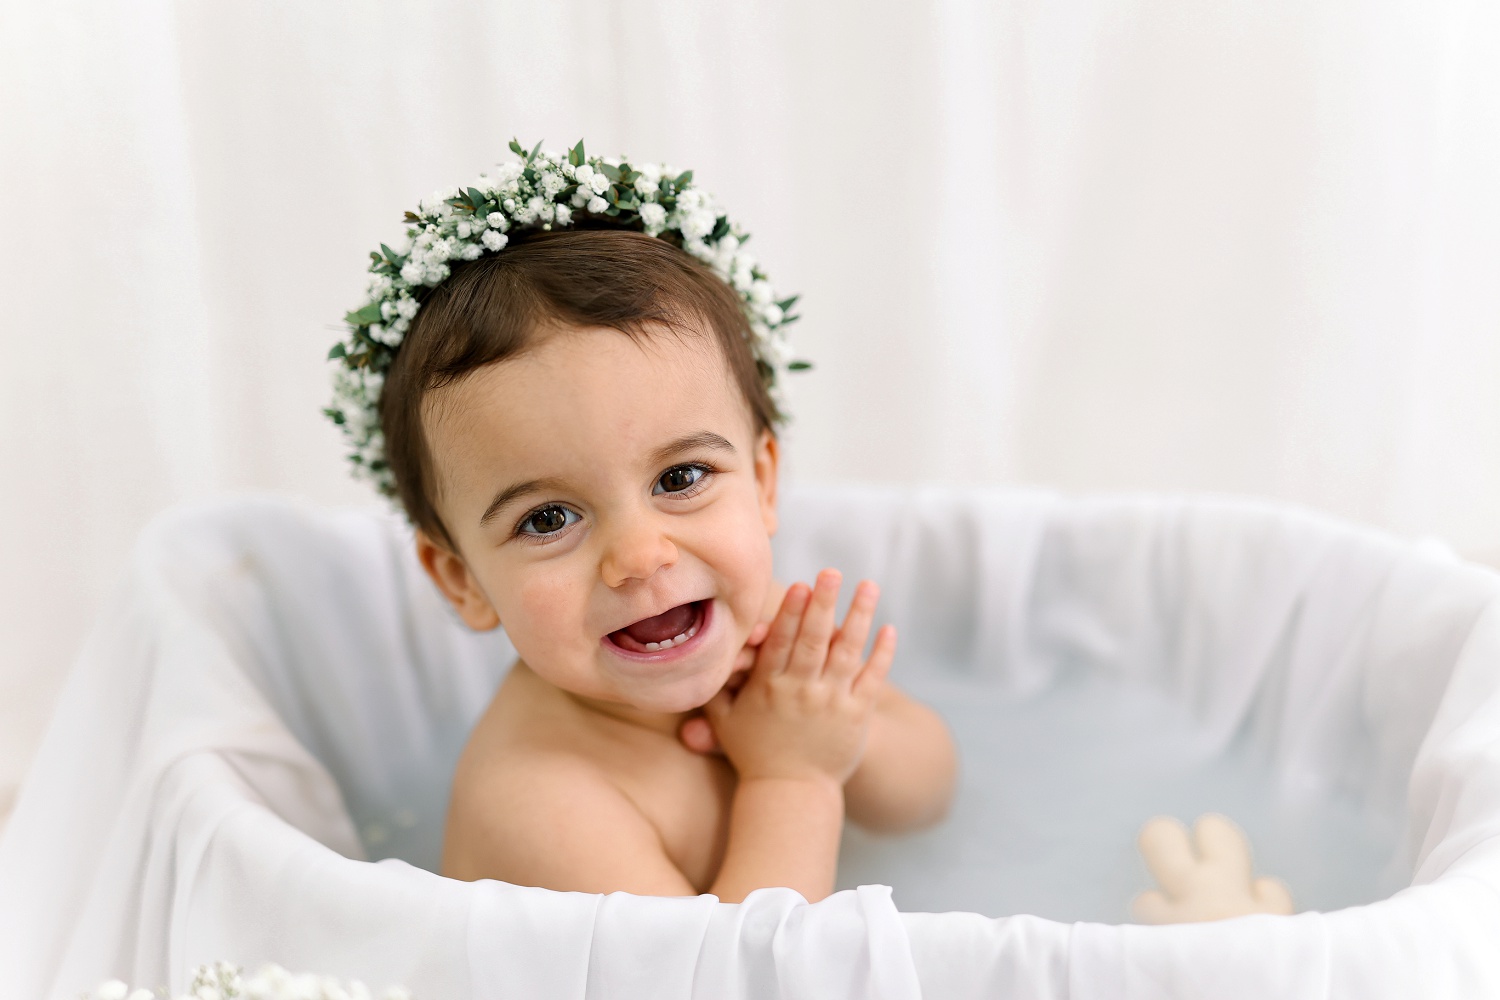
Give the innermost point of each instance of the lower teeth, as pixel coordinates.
(676, 640)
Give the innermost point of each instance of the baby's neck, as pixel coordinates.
(612, 714)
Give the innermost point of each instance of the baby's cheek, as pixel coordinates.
(549, 616)
(745, 563)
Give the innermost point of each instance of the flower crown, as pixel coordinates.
(541, 191)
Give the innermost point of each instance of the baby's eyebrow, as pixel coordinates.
(515, 490)
(702, 439)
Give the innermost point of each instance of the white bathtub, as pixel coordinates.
(277, 694)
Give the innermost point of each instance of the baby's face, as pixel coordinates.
(613, 506)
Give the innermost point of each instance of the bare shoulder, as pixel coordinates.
(550, 818)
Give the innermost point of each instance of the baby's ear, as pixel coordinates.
(767, 463)
(452, 576)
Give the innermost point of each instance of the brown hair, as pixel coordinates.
(493, 308)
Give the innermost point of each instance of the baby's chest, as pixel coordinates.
(687, 799)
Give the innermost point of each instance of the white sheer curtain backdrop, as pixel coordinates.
(1100, 244)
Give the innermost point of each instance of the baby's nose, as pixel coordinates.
(636, 552)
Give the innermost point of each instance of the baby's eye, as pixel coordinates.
(547, 520)
(679, 478)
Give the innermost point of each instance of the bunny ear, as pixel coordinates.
(1168, 854)
(1223, 844)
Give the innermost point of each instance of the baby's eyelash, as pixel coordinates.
(701, 483)
(535, 537)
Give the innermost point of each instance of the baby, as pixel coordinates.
(586, 445)
(581, 430)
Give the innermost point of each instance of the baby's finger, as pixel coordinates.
(698, 736)
(845, 654)
(772, 654)
(810, 649)
(878, 666)
(1168, 854)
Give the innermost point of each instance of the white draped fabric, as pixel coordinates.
(1097, 244)
(276, 694)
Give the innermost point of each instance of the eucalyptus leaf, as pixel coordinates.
(336, 351)
(798, 366)
(517, 148)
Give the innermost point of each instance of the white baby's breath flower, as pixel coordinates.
(441, 235)
(112, 989)
(653, 217)
(697, 224)
(141, 994)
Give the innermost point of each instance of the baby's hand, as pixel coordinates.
(805, 709)
(1208, 878)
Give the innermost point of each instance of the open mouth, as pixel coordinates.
(671, 629)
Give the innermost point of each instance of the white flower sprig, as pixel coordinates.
(227, 981)
(541, 191)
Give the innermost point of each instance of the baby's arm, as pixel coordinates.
(905, 779)
(795, 732)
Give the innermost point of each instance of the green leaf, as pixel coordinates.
(364, 317)
(476, 199)
(721, 228)
(785, 305)
(575, 155)
(515, 147)
(535, 150)
(798, 366)
(336, 416)
(374, 256)
(412, 217)
(336, 351)
(685, 177)
(610, 171)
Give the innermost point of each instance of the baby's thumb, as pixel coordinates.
(698, 736)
